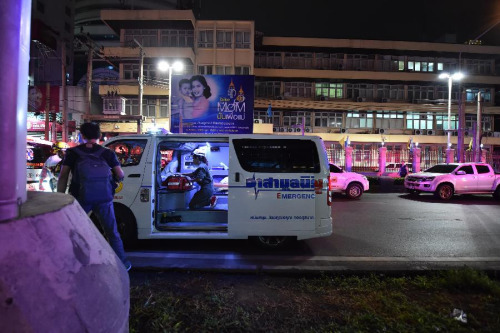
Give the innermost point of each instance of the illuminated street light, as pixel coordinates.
(164, 66)
(456, 77)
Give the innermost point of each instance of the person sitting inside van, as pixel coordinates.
(205, 195)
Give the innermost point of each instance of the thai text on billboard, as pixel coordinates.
(219, 104)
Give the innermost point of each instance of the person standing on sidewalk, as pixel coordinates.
(94, 193)
(403, 169)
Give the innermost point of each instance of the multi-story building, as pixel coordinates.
(373, 92)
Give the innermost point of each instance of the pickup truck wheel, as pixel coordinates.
(354, 191)
(444, 192)
(496, 194)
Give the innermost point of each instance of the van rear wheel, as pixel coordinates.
(272, 242)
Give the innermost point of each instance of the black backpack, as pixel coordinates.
(94, 177)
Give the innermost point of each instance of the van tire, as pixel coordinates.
(354, 191)
(127, 226)
(272, 242)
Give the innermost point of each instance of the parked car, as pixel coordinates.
(445, 180)
(351, 183)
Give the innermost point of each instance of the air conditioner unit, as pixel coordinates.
(276, 129)
(454, 133)
(308, 130)
(278, 97)
(360, 99)
(289, 129)
(423, 116)
(385, 100)
(430, 132)
(466, 133)
(362, 115)
(257, 121)
(282, 129)
(380, 131)
(417, 132)
(343, 130)
(323, 98)
(489, 133)
(298, 129)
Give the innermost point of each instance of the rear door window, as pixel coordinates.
(277, 155)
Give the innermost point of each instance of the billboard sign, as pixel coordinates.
(218, 104)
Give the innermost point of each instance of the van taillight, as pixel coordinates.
(329, 192)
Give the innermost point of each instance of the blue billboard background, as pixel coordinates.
(212, 104)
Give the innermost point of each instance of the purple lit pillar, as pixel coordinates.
(15, 17)
(416, 160)
(348, 158)
(382, 157)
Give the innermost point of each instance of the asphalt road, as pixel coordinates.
(379, 232)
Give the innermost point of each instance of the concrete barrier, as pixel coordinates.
(57, 273)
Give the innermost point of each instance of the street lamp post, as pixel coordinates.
(450, 77)
(178, 67)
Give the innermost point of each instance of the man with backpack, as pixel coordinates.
(94, 172)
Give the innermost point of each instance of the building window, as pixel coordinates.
(205, 69)
(328, 119)
(223, 70)
(390, 119)
(130, 71)
(356, 119)
(206, 39)
(360, 90)
(298, 89)
(149, 107)
(471, 121)
(132, 106)
(163, 108)
(269, 89)
(146, 37)
(301, 60)
(176, 38)
(242, 39)
(471, 94)
(326, 91)
(291, 118)
(224, 39)
(265, 118)
(268, 60)
(442, 121)
(242, 70)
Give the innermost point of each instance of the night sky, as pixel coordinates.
(424, 20)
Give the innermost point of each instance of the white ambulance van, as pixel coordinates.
(269, 189)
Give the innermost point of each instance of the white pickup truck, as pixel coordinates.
(351, 183)
(444, 180)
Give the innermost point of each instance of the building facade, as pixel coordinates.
(368, 92)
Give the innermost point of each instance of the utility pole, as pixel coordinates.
(461, 127)
(47, 110)
(64, 93)
(141, 81)
(89, 75)
(477, 148)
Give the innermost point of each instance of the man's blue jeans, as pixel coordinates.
(105, 212)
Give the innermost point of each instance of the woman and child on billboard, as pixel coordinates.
(202, 105)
